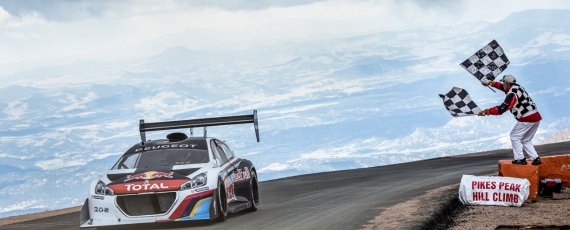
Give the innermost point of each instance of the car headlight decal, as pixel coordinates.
(101, 189)
(197, 181)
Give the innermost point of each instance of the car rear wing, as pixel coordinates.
(204, 122)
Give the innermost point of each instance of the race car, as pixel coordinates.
(179, 178)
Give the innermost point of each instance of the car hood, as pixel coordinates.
(156, 179)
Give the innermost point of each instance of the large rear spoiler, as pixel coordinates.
(204, 122)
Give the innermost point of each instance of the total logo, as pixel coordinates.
(146, 186)
(149, 175)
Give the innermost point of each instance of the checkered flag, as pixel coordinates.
(488, 62)
(459, 103)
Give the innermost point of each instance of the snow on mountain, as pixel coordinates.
(556, 137)
(323, 105)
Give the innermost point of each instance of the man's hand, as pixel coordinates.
(485, 112)
(487, 82)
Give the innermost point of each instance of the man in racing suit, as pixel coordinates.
(524, 110)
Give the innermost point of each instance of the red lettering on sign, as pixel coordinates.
(505, 197)
(485, 185)
(510, 197)
(480, 196)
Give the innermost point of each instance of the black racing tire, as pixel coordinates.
(254, 192)
(222, 202)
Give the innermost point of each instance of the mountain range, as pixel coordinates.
(323, 105)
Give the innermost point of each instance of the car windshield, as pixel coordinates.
(162, 157)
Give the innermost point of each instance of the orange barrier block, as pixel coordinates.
(555, 167)
(529, 172)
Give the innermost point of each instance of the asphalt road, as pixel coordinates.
(334, 200)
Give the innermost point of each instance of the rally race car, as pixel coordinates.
(179, 178)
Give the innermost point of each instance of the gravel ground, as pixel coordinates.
(545, 212)
(441, 209)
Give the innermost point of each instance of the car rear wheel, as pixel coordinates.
(254, 194)
(222, 202)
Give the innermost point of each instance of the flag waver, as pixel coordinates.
(458, 103)
(488, 62)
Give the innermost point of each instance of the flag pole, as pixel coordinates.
(491, 89)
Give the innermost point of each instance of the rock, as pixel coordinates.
(560, 196)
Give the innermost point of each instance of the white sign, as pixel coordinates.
(493, 190)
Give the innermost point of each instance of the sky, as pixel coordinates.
(38, 33)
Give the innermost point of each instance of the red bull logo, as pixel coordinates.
(230, 194)
(149, 175)
(242, 175)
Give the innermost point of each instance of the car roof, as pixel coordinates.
(188, 143)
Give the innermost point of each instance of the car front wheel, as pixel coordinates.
(222, 202)
(254, 194)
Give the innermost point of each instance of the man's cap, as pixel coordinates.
(509, 79)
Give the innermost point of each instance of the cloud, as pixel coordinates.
(110, 30)
(7, 20)
(61, 10)
(65, 10)
(4, 15)
(15, 36)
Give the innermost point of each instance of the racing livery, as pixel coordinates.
(179, 178)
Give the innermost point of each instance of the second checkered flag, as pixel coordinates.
(459, 103)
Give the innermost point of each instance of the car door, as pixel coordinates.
(241, 174)
(228, 170)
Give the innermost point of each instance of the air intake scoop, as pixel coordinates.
(173, 137)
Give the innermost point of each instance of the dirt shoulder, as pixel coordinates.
(440, 209)
(22, 218)
(420, 212)
(544, 212)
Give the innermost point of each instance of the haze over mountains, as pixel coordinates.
(323, 105)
